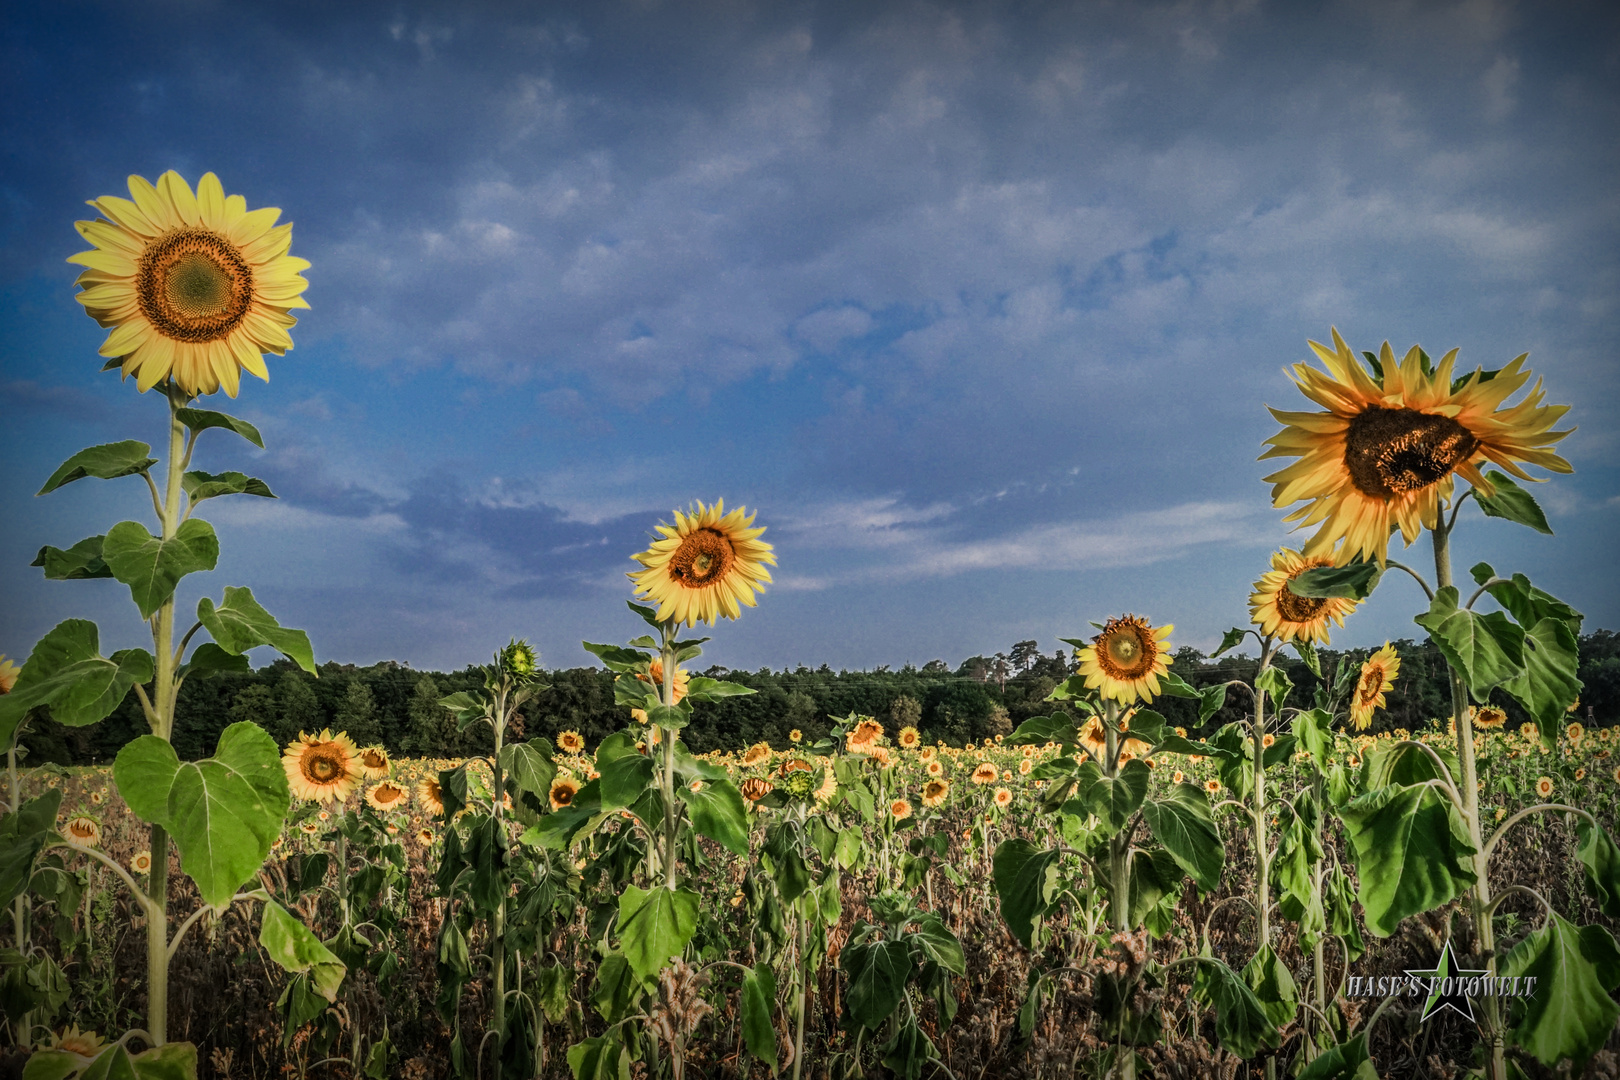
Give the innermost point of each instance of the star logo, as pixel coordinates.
(1446, 982)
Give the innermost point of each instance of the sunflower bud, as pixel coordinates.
(519, 660)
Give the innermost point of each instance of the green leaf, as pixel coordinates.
(878, 972)
(907, 1051)
(529, 765)
(209, 658)
(1229, 640)
(1040, 730)
(1211, 698)
(202, 485)
(144, 771)
(105, 462)
(1397, 763)
(1307, 652)
(1273, 986)
(1276, 684)
(1600, 860)
(1354, 581)
(1570, 1014)
(1346, 1061)
(239, 624)
(1147, 725)
(1114, 799)
(1548, 686)
(1241, 1023)
(1412, 852)
(700, 688)
(296, 948)
(1314, 731)
(599, 1058)
(614, 658)
(1023, 875)
(1174, 685)
(718, 812)
(469, 706)
(1183, 823)
(1512, 503)
(655, 926)
(152, 566)
(80, 562)
(1529, 605)
(226, 811)
(22, 837)
(624, 778)
(67, 673)
(200, 420)
(617, 988)
(936, 942)
(758, 1006)
(1486, 650)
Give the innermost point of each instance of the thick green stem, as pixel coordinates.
(498, 920)
(667, 696)
(19, 920)
(1262, 857)
(157, 939)
(1496, 1059)
(804, 992)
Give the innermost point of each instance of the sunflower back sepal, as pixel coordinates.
(200, 420)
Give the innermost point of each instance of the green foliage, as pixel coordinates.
(291, 944)
(172, 1061)
(655, 926)
(1412, 852)
(1571, 1013)
(239, 624)
(201, 420)
(1183, 823)
(1512, 503)
(152, 566)
(1241, 1021)
(68, 673)
(105, 462)
(81, 562)
(1024, 876)
(758, 1008)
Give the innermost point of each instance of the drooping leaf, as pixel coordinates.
(878, 972)
(1600, 860)
(619, 659)
(202, 485)
(1549, 685)
(153, 565)
(1229, 640)
(239, 624)
(655, 926)
(1273, 986)
(907, 1051)
(22, 837)
(105, 462)
(1412, 852)
(1570, 1014)
(1039, 730)
(1147, 725)
(1486, 650)
(1183, 823)
(718, 812)
(529, 765)
(1241, 1023)
(1512, 503)
(1307, 652)
(67, 673)
(1403, 763)
(1353, 581)
(1529, 605)
(200, 420)
(296, 948)
(210, 658)
(1346, 1061)
(758, 1008)
(600, 1057)
(226, 811)
(1022, 875)
(80, 562)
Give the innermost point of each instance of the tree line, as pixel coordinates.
(396, 706)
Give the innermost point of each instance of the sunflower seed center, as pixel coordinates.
(704, 557)
(1125, 651)
(193, 285)
(1391, 452)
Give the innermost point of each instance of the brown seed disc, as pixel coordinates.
(193, 285)
(704, 557)
(1389, 452)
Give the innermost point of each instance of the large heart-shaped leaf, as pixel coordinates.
(1346, 1061)
(1549, 685)
(1023, 883)
(200, 420)
(1115, 798)
(1412, 852)
(22, 837)
(529, 765)
(878, 972)
(1527, 604)
(144, 771)
(1571, 1014)
(758, 1010)
(1273, 986)
(655, 926)
(81, 562)
(1600, 860)
(1486, 650)
(718, 812)
(239, 624)
(105, 462)
(1183, 823)
(67, 673)
(226, 811)
(1512, 503)
(1241, 1023)
(153, 565)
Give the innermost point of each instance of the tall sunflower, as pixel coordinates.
(194, 286)
(322, 767)
(388, 796)
(1124, 662)
(705, 565)
(1383, 454)
(1377, 676)
(1283, 614)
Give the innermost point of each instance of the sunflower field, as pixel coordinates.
(1099, 892)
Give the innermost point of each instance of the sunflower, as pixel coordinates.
(909, 738)
(934, 792)
(1124, 662)
(84, 1045)
(1094, 738)
(1006, 775)
(1617, 774)
(1580, 774)
(754, 789)
(1383, 454)
(570, 742)
(707, 564)
(1283, 614)
(863, 736)
(1025, 767)
(986, 773)
(310, 827)
(1529, 732)
(1489, 717)
(1212, 785)
(828, 788)
(1268, 740)
(387, 796)
(431, 796)
(374, 762)
(193, 286)
(880, 754)
(1003, 797)
(1377, 675)
(563, 790)
(792, 765)
(82, 830)
(141, 863)
(322, 767)
(900, 809)
(424, 837)
(760, 751)
(1575, 733)
(1544, 786)
(795, 736)
(936, 769)
(655, 676)
(1178, 777)
(927, 754)
(8, 674)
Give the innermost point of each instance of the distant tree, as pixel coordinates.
(431, 729)
(296, 708)
(999, 670)
(357, 714)
(801, 713)
(1024, 655)
(997, 721)
(936, 667)
(906, 711)
(257, 705)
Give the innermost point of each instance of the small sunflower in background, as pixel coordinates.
(1212, 785)
(1178, 777)
(934, 792)
(322, 767)
(927, 754)
(1383, 454)
(374, 764)
(1544, 786)
(570, 742)
(8, 674)
(909, 738)
(706, 565)
(141, 862)
(795, 736)
(1125, 661)
(864, 736)
(1489, 717)
(1283, 614)
(563, 790)
(1003, 797)
(387, 796)
(193, 285)
(431, 796)
(754, 789)
(754, 755)
(900, 809)
(1575, 733)
(985, 773)
(1377, 677)
(424, 837)
(1026, 766)
(82, 830)
(936, 768)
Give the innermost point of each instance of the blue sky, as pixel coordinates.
(979, 305)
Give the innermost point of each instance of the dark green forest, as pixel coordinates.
(397, 706)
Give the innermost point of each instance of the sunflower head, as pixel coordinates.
(563, 790)
(1382, 454)
(1003, 797)
(374, 762)
(1575, 733)
(431, 796)
(1377, 676)
(141, 863)
(387, 796)
(8, 674)
(1283, 614)
(519, 661)
(754, 789)
(795, 736)
(1544, 786)
(322, 767)
(82, 830)
(1125, 661)
(863, 737)
(704, 565)
(909, 738)
(424, 837)
(899, 809)
(1489, 717)
(934, 792)
(194, 286)
(570, 742)
(985, 773)
(83, 1044)
(759, 752)
(828, 787)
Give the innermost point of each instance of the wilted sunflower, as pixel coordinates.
(322, 767)
(1384, 452)
(1281, 613)
(84, 1045)
(1377, 675)
(570, 742)
(934, 792)
(880, 754)
(374, 762)
(387, 796)
(1544, 786)
(985, 773)
(794, 765)
(707, 564)
(8, 674)
(909, 738)
(1003, 797)
(563, 790)
(82, 830)
(760, 751)
(754, 789)
(863, 736)
(1124, 662)
(424, 837)
(1489, 717)
(193, 286)
(431, 796)
(900, 809)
